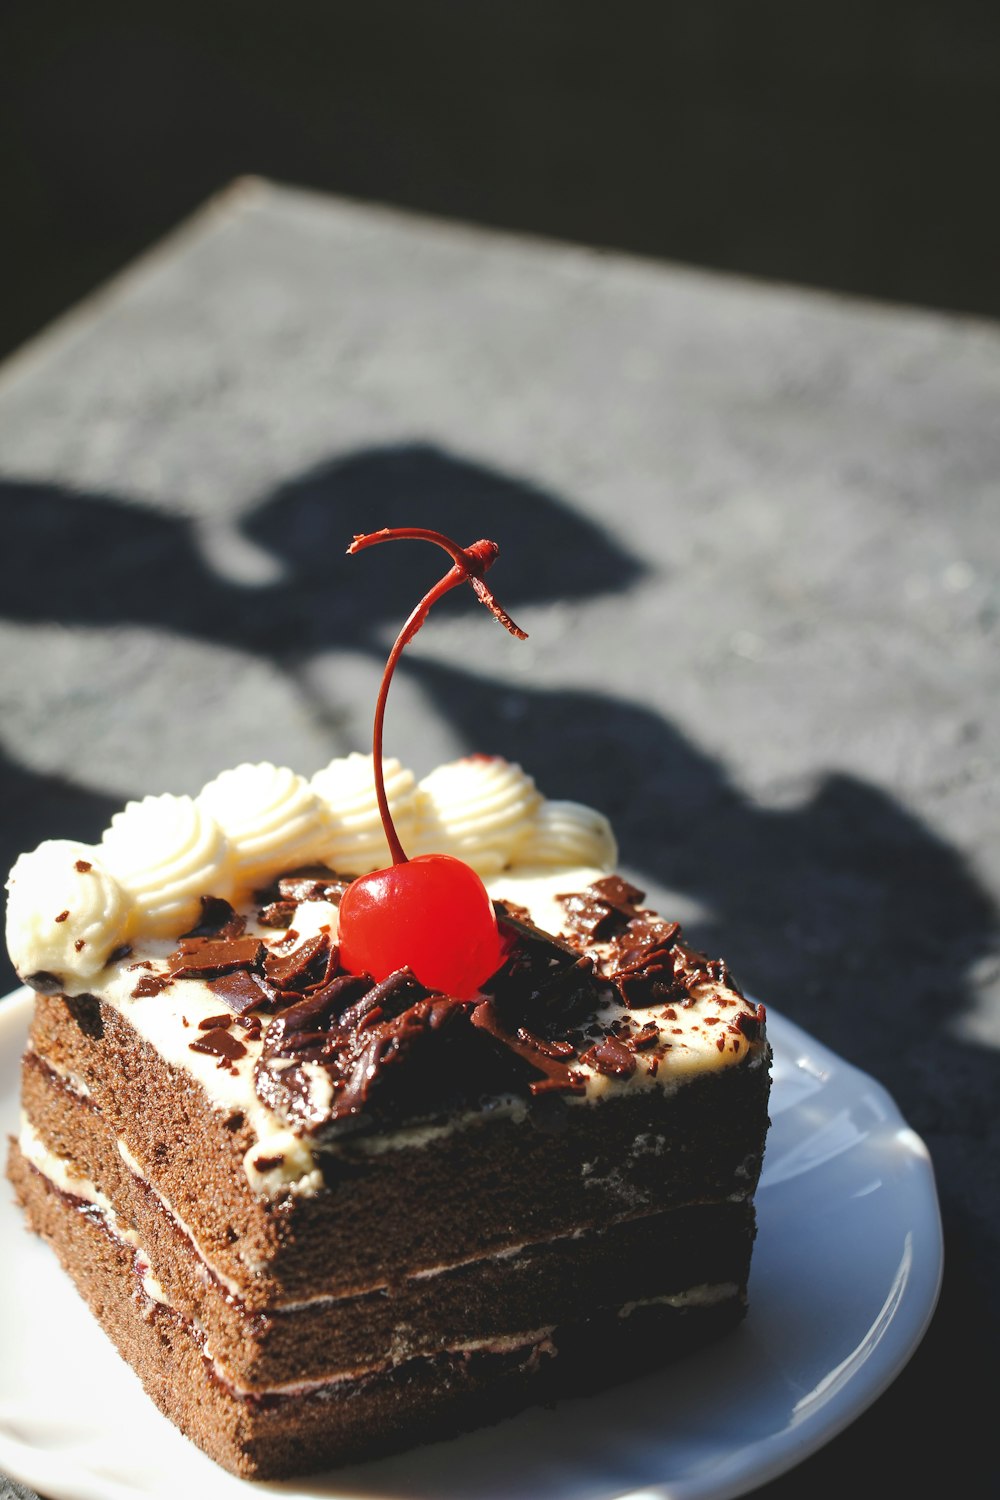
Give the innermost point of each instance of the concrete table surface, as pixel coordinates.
(753, 534)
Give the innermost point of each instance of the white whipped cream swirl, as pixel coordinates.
(254, 822)
(167, 852)
(478, 809)
(65, 912)
(568, 833)
(355, 842)
(271, 817)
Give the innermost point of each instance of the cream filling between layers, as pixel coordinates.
(58, 1172)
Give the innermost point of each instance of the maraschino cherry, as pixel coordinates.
(430, 914)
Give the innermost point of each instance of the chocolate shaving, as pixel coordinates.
(643, 1038)
(749, 1025)
(219, 1043)
(44, 982)
(304, 965)
(603, 909)
(550, 1049)
(648, 979)
(643, 935)
(315, 884)
(311, 883)
(151, 984)
(557, 1076)
(317, 1010)
(218, 920)
(198, 958)
(277, 914)
(242, 991)
(610, 1057)
(392, 995)
(513, 910)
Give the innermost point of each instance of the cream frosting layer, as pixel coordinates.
(161, 855)
(691, 1031)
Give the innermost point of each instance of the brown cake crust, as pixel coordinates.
(457, 1196)
(420, 1400)
(653, 1255)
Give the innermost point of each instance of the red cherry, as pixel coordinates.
(431, 915)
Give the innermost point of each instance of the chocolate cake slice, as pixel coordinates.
(324, 1217)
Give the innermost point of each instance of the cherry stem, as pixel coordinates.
(470, 563)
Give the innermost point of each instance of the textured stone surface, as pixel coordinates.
(753, 534)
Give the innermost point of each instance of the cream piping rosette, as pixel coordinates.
(355, 841)
(271, 817)
(167, 852)
(477, 809)
(568, 834)
(65, 913)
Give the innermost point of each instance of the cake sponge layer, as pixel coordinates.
(467, 1192)
(492, 1296)
(417, 1400)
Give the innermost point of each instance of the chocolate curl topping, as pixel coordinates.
(639, 952)
(603, 908)
(218, 920)
(470, 564)
(549, 1058)
(611, 1057)
(197, 958)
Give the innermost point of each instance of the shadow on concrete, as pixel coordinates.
(845, 911)
(94, 560)
(846, 891)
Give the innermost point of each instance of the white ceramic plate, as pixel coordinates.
(845, 1277)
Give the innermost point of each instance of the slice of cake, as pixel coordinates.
(324, 1216)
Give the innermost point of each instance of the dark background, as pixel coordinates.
(853, 146)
